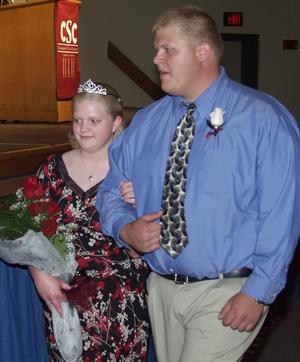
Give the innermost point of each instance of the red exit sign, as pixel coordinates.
(233, 19)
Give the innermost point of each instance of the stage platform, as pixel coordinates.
(24, 145)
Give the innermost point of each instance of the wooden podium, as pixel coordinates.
(28, 92)
(28, 64)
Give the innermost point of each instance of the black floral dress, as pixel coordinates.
(111, 295)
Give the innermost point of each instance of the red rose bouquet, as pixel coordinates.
(32, 210)
(32, 233)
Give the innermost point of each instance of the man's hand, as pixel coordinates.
(143, 233)
(241, 312)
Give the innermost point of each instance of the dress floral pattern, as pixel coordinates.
(111, 294)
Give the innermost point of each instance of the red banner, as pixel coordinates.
(67, 52)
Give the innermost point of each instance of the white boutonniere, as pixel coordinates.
(216, 121)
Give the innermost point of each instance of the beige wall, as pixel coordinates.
(127, 24)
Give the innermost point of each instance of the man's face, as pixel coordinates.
(177, 63)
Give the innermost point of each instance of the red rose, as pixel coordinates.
(52, 208)
(39, 192)
(49, 227)
(31, 181)
(34, 192)
(35, 208)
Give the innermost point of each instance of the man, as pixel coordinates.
(220, 250)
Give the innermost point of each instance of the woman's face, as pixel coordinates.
(93, 126)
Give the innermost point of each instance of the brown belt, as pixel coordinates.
(185, 279)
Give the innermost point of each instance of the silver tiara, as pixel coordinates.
(90, 87)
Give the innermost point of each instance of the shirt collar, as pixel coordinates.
(209, 98)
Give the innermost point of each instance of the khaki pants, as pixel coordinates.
(185, 325)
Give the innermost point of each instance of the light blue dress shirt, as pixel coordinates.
(242, 204)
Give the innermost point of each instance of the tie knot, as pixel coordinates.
(190, 108)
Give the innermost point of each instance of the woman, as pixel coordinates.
(109, 283)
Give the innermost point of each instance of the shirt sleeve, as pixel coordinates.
(113, 211)
(278, 172)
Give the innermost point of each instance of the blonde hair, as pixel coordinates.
(195, 24)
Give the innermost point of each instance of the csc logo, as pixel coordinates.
(67, 32)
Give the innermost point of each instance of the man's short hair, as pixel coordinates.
(195, 23)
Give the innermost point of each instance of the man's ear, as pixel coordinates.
(204, 51)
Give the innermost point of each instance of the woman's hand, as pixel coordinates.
(127, 193)
(50, 288)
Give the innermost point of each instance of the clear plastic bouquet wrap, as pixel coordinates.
(31, 234)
